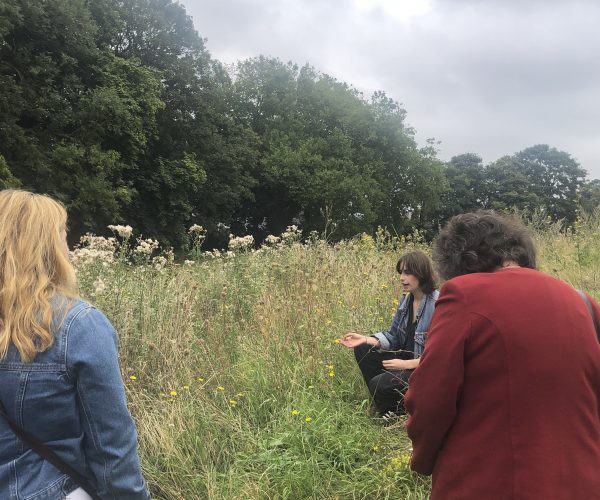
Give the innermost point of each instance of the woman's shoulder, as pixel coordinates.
(88, 333)
(66, 309)
(74, 314)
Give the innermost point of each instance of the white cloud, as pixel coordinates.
(490, 77)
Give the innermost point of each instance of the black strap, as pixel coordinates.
(47, 454)
(591, 310)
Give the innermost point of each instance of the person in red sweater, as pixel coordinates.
(505, 403)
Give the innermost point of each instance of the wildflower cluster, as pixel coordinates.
(216, 254)
(271, 241)
(197, 229)
(145, 247)
(197, 235)
(240, 243)
(291, 235)
(124, 232)
(296, 413)
(93, 249)
(398, 464)
(99, 286)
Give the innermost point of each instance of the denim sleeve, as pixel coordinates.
(390, 340)
(110, 437)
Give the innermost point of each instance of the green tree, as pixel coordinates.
(74, 119)
(330, 158)
(196, 166)
(537, 177)
(507, 186)
(7, 179)
(590, 196)
(466, 185)
(555, 177)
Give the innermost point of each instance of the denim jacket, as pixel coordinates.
(72, 398)
(395, 338)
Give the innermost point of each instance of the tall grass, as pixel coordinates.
(235, 379)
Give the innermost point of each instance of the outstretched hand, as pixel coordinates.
(353, 339)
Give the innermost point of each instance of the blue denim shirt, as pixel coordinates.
(395, 338)
(72, 398)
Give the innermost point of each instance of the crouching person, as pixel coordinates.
(387, 359)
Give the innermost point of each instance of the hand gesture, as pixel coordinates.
(353, 339)
(395, 364)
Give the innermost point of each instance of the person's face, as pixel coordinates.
(410, 283)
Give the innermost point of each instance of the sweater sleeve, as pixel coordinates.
(435, 386)
(110, 438)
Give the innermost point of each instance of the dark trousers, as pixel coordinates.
(386, 387)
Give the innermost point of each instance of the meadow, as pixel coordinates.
(233, 369)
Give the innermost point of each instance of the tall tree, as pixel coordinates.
(74, 118)
(331, 158)
(555, 177)
(539, 176)
(590, 196)
(466, 185)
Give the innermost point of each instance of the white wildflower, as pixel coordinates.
(159, 262)
(240, 243)
(99, 286)
(145, 246)
(215, 254)
(196, 229)
(271, 240)
(291, 235)
(94, 249)
(122, 231)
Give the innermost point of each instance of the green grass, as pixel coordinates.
(267, 404)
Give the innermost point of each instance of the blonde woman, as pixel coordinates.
(60, 375)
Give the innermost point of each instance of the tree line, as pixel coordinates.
(117, 108)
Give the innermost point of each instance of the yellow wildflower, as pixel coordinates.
(332, 373)
(220, 388)
(232, 402)
(133, 377)
(329, 367)
(186, 387)
(200, 379)
(308, 419)
(173, 393)
(295, 412)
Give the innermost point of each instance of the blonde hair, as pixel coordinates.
(34, 269)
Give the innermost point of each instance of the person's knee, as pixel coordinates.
(361, 351)
(375, 385)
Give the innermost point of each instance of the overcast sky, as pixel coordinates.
(490, 77)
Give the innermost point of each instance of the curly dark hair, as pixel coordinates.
(420, 266)
(480, 242)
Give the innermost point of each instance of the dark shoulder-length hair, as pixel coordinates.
(480, 242)
(420, 266)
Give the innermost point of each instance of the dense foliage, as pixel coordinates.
(117, 108)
